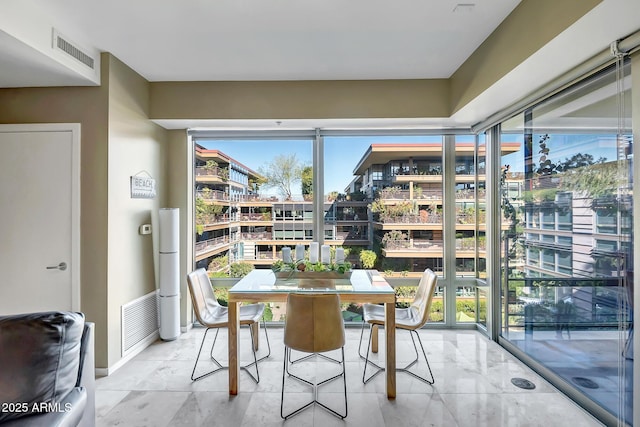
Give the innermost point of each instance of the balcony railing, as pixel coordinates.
(351, 235)
(255, 217)
(429, 218)
(470, 194)
(252, 198)
(209, 194)
(419, 194)
(257, 236)
(422, 245)
(265, 256)
(208, 220)
(208, 245)
(469, 244)
(218, 172)
(564, 304)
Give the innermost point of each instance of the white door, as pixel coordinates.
(39, 218)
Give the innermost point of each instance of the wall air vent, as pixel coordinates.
(62, 44)
(139, 322)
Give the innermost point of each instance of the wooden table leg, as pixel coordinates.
(234, 340)
(374, 338)
(390, 329)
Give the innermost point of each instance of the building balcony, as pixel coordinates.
(253, 199)
(416, 178)
(207, 248)
(212, 221)
(212, 195)
(414, 248)
(262, 258)
(347, 238)
(215, 174)
(470, 243)
(425, 221)
(255, 217)
(257, 236)
(470, 194)
(394, 194)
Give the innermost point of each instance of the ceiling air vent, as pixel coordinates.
(61, 43)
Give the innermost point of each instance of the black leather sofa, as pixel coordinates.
(47, 370)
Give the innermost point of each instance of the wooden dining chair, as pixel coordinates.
(313, 325)
(410, 319)
(214, 316)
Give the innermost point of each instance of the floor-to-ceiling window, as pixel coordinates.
(398, 202)
(567, 238)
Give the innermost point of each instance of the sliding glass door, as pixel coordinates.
(567, 247)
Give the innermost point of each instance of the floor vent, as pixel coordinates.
(523, 383)
(62, 44)
(139, 321)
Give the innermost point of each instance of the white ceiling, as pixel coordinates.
(207, 40)
(169, 40)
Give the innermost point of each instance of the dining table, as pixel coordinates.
(356, 286)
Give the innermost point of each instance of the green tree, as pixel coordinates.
(282, 173)
(594, 180)
(307, 180)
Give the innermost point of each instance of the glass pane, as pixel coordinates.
(466, 304)
(246, 209)
(383, 201)
(466, 206)
(567, 238)
(481, 197)
(482, 306)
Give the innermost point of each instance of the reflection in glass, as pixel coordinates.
(566, 203)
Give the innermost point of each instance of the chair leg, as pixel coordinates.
(315, 386)
(256, 377)
(219, 368)
(366, 358)
(406, 368)
(344, 379)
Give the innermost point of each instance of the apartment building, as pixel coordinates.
(235, 223)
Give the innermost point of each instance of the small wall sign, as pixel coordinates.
(143, 186)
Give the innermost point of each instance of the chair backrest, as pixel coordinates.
(202, 295)
(424, 296)
(314, 323)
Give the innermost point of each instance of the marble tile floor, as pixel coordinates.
(473, 388)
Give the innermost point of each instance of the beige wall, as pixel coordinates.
(300, 99)
(117, 141)
(136, 145)
(87, 106)
(510, 44)
(513, 42)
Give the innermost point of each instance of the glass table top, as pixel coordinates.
(361, 281)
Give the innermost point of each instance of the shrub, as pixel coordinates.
(368, 259)
(240, 269)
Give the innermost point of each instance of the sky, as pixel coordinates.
(342, 154)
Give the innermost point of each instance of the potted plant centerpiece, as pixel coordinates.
(306, 269)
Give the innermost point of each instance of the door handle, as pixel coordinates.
(62, 266)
